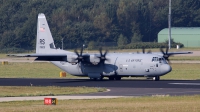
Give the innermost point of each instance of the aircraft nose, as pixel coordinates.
(166, 68)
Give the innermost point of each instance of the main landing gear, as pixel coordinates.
(100, 78)
(156, 78)
(114, 78)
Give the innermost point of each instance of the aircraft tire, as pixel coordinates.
(118, 78)
(100, 78)
(156, 78)
(111, 78)
(93, 78)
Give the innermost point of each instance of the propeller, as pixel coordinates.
(143, 51)
(165, 54)
(79, 56)
(102, 56)
(149, 52)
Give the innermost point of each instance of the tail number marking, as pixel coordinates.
(42, 42)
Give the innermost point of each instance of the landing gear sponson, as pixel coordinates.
(110, 78)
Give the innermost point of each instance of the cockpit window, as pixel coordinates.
(154, 59)
(160, 60)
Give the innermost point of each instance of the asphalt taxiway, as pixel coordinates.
(117, 88)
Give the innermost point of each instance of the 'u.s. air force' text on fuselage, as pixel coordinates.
(133, 60)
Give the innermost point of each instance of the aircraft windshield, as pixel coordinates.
(160, 60)
(154, 59)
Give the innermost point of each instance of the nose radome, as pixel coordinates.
(166, 68)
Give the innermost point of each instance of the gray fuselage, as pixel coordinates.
(124, 65)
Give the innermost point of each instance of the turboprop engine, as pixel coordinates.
(94, 60)
(72, 59)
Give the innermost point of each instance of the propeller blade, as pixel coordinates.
(167, 49)
(165, 54)
(102, 56)
(106, 52)
(161, 50)
(81, 51)
(76, 52)
(100, 50)
(168, 60)
(149, 51)
(79, 56)
(143, 50)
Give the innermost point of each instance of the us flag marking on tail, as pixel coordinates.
(42, 29)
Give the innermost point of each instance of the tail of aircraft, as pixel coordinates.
(44, 42)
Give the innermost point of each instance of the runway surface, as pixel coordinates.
(117, 88)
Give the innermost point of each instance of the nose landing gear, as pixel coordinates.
(156, 78)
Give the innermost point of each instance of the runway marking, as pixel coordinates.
(193, 84)
(166, 93)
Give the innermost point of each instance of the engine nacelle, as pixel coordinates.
(94, 60)
(108, 71)
(71, 59)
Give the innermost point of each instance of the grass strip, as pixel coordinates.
(30, 70)
(17, 91)
(130, 104)
(183, 72)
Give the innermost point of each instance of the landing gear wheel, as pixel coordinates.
(118, 78)
(111, 78)
(100, 78)
(156, 78)
(94, 79)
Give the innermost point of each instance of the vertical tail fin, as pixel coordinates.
(44, 42)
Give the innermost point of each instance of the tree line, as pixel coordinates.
(87, 22)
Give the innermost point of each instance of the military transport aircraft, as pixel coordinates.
(102, 64)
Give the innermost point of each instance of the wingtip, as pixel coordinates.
(18, 55)
(190, 52)
(10, 55)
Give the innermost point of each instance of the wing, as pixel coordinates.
(172, 53)
(175, 53)
(51, 57)
(43, 57)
